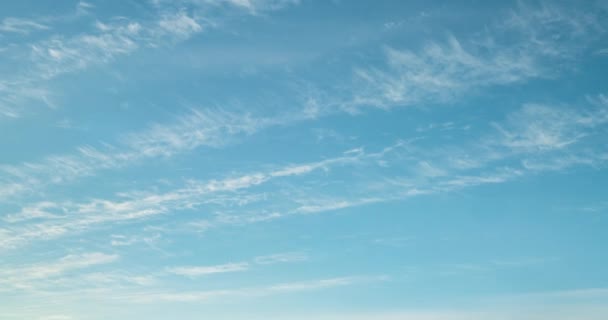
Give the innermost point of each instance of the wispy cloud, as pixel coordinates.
(531, 140)
(438, 72)
(283, 288)
(543, 128)
(76, 217)
(253, 7)
(444, 71)
(281, 258)
(540, 137)
(208, 270)
(61, 54)
(22, 26)
(190, 131)
(24, 277)
(197, 271)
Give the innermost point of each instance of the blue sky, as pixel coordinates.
(299, 159)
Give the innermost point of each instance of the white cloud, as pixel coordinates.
(522, 48)
(538, 137)
(180, 25)
(281, 258)
(253, 7)
(56, 317)
(83, 7)
(539, 127)
(440, 73)
(118, 240)
(590, 312)
(61, 54)
(549, 138)
(27, 276)
(22, 26)
(208, 270)
(323, 205)
(77, 217)
(197, 271)
(284, 288)
(198, 128)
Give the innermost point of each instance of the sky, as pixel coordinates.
(301, 159)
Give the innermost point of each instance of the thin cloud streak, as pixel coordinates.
(70, 217)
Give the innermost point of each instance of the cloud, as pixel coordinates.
(83, 7)
(500, 313)
(442, 72)
(283, 288)
(281, 258)
(543, 128)
(208, 270)
(123, 240)
(198, 128)
(253, 7)
(56, 317)
(524, 47)
(21, 26)
(436, 72)
(197, 271)
(78, 217)
(27, 276)
(60, 54)
(536, 138)
(180, 24)
(257, 6)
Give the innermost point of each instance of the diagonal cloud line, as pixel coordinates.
(29, 276)
(432, 63)
(443, 71)
(532, 140)
(59, 54)
(196, 129)
(198, 271)
(69, 217)
(283, 288)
